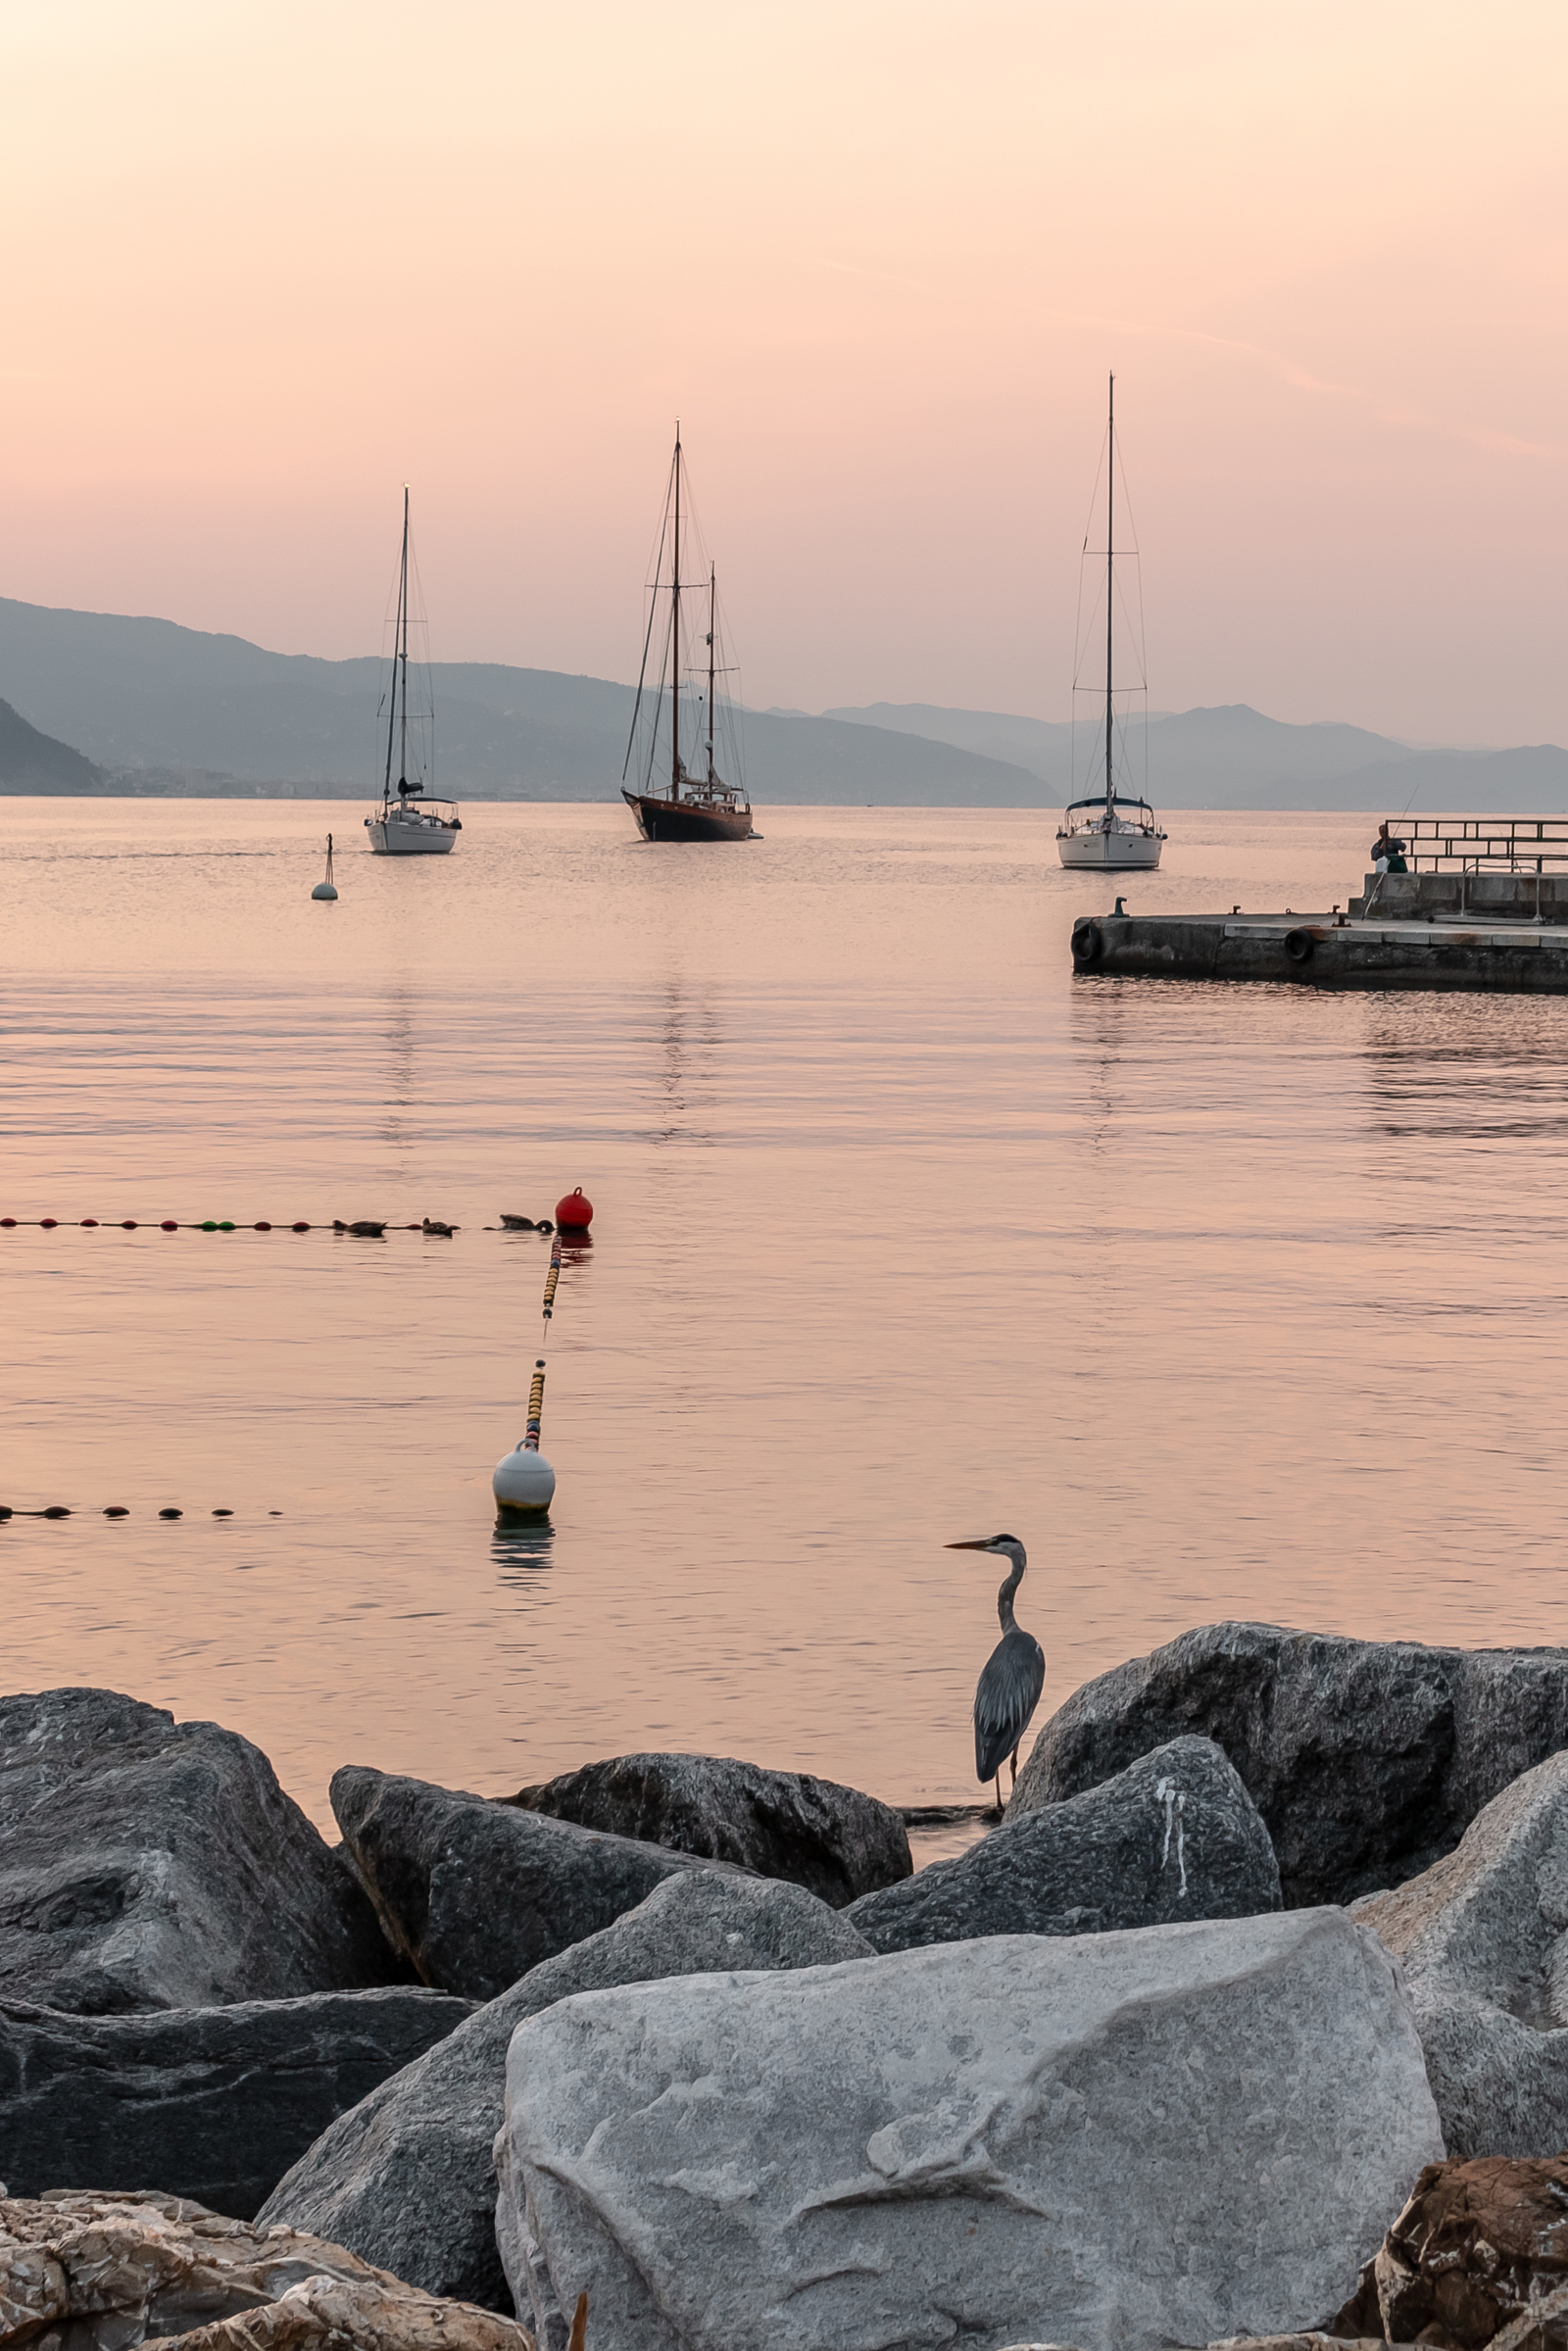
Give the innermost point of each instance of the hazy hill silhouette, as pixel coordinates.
(175, 709)
(33, 763)
(165, 709)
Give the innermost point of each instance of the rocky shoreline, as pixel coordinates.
(1250, 2021)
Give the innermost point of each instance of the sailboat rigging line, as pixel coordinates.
(648, 637)
(400, 637)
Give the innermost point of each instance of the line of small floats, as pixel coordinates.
(672, 778)
(522, 1482)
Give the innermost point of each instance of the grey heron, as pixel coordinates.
(1008, 1690)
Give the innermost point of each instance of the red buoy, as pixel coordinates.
(168, 1225)
(47, 1224)
(261, 1228)
(8, 1222)
(299, 1228)
(128, 1224)
(575, 1213)
(87, 1220)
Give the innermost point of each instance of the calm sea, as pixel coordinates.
(1228, 1301)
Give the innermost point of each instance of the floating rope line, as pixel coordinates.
(367, 1229)
(536, 1408)
(552, 1278)
(111, 1510)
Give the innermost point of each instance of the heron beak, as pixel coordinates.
(984, 1545)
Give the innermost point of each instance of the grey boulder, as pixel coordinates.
(1367, 1759)
(833, 1841)
(1483, 1937)
(1174, 1836)
(146, 1864)
(1119, 2142)
(407, 2179)
(476, 1893)
(210, 2103)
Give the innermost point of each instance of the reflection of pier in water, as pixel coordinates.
(1470, 1069)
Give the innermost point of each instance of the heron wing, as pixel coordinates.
(1005, 1701)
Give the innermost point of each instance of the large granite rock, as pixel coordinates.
(833, 1841)
(146, 1863)
(407, 2179)
(1367, 1759)
(1483, 1937)
(98, 2273)
(1480, 2251)
(1117, 2142)
(476, 1893)
(209, 2103)
(1175, 1835)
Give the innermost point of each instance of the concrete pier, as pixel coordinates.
(1332, 951)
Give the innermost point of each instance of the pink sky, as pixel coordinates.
(264, 264)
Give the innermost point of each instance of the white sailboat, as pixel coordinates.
(1109, 831)
(408, 824)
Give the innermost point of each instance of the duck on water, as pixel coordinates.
(686, 808)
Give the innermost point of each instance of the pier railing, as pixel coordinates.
(1473, 844)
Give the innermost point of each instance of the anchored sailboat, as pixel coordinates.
(1110, 831)
(408, 824)
(689, 807)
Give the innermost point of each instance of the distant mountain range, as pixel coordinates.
(1234, 757)
(109, 704)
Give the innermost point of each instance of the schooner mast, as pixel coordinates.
(674, 640)
(713, 593)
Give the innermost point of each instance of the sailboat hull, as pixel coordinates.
(684, 820)
(1110, 852)
(393, 837)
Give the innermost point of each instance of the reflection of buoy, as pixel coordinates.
(575, 1213)
(524, 1484)
(325, 889)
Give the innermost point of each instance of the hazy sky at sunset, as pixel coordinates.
(262, 264)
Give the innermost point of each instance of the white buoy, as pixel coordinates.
(523, 1485)
(325, 889)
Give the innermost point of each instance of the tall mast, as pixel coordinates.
(399, 648)
(674, 640)
(403, 745)
(1111, 601)
(713, 592)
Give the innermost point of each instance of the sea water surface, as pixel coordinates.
(1229, 1300)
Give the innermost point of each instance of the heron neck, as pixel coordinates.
(1004, 1600)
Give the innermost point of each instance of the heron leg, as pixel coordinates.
(999, 1791)
(1014, 1780)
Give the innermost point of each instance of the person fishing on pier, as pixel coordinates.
(1387, 855)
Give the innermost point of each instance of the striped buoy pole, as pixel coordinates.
(524, 1484)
